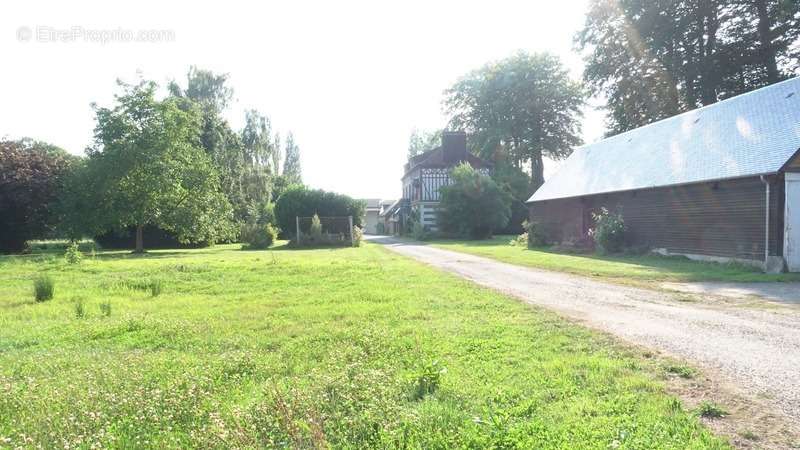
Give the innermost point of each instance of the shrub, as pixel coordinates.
(316, 229)
(358, 235)
(73, 254)
(609, 231)
(32, 176)
(473, 205)
(258, 237)
(105, 308)
(43, 288)
(535, 234)
(520, 241)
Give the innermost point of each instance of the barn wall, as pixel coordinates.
(724, 219)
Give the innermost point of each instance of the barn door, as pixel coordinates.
(791, 230)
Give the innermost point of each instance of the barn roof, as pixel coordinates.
(752, 134)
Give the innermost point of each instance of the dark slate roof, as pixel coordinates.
(437, 158)
(752, 134)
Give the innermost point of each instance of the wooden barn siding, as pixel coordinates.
(726, 221)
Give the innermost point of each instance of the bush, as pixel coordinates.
(73, 254)
(609, 232)
(316, 229)
(535, 234)
(43, 288)
(300, 201)
(358, 235)
(105, 308)
(473, 205)
(519, 241)
(258, 237)
(518, 185)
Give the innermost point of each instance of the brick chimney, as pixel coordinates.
(454, 146)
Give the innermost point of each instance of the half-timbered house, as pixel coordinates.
(424, 175)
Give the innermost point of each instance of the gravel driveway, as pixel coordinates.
(757, 350)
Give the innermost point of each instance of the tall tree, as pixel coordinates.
(257, 140)
(522, 108)
(147, 168)
(210, 93)
(653, 59)
(291, 166)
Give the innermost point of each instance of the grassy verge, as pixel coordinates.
(641, 269)
(348, 348)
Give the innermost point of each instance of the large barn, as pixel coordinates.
(719, 183)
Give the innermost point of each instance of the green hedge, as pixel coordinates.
(303, 202)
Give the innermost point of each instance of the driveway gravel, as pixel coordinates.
(756, 350)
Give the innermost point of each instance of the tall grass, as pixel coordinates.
(43, 288)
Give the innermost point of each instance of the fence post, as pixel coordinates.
(297, 223)
(350, 221)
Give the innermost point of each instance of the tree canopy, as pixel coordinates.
(653, 59)
(421, 141)
(521, 109)
(292, 171)
(147, 167)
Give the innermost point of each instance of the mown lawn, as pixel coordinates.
(627, 269)
(347, 348)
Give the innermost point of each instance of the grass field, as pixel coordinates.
(627, 269)
(345, 348)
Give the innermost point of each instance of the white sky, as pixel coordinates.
(350, 79)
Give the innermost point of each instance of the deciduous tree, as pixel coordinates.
(147, 168)
(292, 170)
(525, 107)
(421, 141)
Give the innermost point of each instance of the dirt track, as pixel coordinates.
(756, 350)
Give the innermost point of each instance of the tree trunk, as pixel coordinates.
(139, 239)
(537, 171)
(765, 39)
(710, 24)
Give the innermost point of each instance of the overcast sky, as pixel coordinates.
(350, 79)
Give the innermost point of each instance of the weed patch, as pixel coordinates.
(710, 410)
